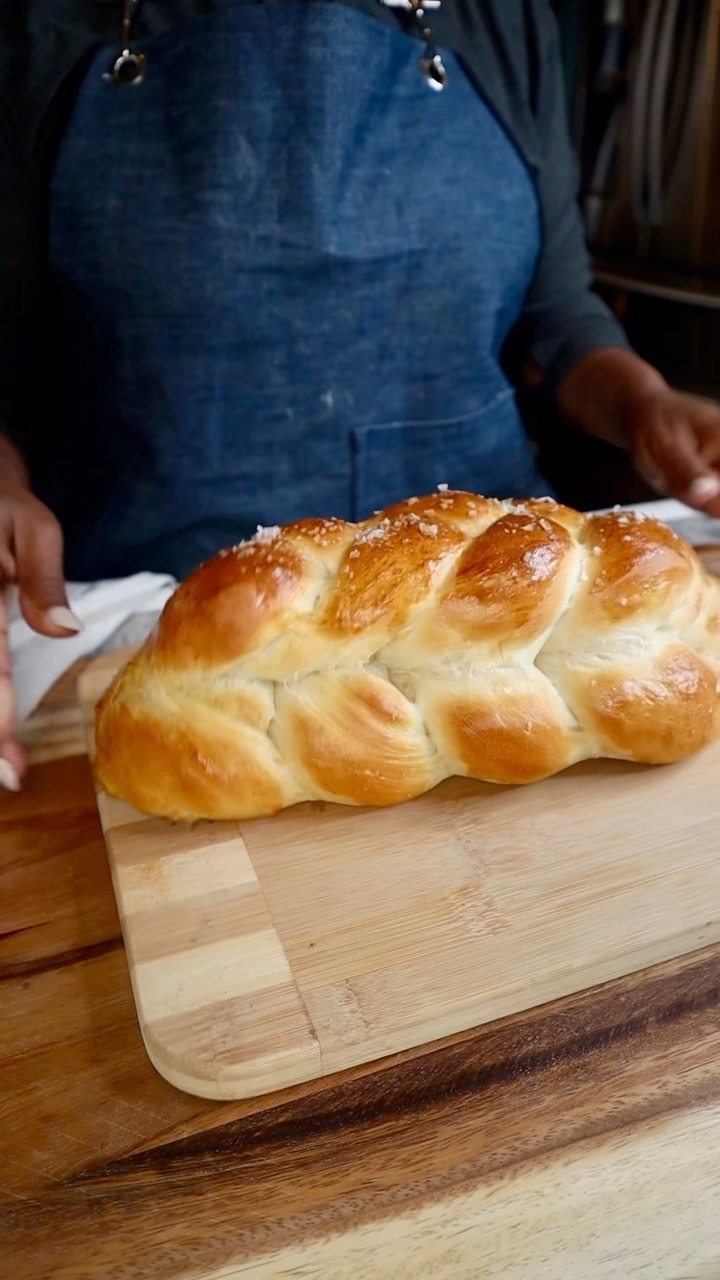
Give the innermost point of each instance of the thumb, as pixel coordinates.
(669, 456)
(39, 573)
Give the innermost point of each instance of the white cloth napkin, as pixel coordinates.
(105, 608)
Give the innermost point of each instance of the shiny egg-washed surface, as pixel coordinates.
(449, 634)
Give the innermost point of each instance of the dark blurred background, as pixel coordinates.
(643, 98)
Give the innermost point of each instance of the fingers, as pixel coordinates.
(38, 555)
(704, 489)
(12, 759)
(705, 493)
(31, 556)
(11, 774)
(669, 456)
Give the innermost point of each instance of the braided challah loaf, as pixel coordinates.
(450, 634)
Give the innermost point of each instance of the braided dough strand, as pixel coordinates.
(449, 634)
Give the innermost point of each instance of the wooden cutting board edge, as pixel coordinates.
(295, 1057)
(298, 1067)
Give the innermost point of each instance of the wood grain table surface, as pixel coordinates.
(578, 1142)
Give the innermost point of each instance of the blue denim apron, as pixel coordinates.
(285, 270)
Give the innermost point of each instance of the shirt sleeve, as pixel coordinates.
(563, 318)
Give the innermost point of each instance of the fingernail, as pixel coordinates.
(60, 616)
(9, 777)
(704, 488)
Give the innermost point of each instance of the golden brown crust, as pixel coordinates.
(511, 727)
(183, 759)
(448, 634)
(355, 738)
(659, 715)
(509, 584)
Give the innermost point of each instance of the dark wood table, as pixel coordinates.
(578, 1142)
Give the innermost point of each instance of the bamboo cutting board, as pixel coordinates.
(285, 949)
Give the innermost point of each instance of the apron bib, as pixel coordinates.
(285, 270)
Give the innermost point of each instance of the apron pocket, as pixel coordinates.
(486, 451)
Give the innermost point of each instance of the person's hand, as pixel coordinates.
(675, 446)
(673, 438)
(31, 558)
